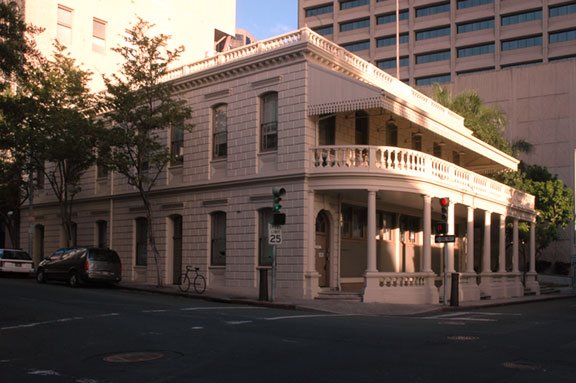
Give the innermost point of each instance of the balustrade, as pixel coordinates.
(388, 159)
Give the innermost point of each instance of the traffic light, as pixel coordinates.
(278, 218)
(442, 226)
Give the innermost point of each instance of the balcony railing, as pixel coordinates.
(401, 161)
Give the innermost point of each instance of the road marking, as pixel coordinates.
(197, 328)
(235, 322)
(108, 315)
(221, 308)
(458, 315)
(44, 372)
(307, 316)
(153, 311)
(27, 325)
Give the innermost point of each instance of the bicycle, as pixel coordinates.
(199, 282)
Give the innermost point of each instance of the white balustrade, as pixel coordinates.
(393, 160)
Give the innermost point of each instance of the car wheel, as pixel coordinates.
(40, 276)
(73, 279)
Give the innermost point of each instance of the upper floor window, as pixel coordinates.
(220, 131)
(319, 10)
(476, 26)
(353, 25)
(433, 9)
(521, 43)
(521, 17)
(357, 46)
(391, 63)
(432, 57)
(269, 122)
(562, 10)
(387, 41)
(218, 239)
(476, 50)
(353, 4)
(433, 33)
(558, 37)
(177, 145)
(98, 35)
(64, 25)
(324, 30)
(391, 17)
(438, 79)
(472, 3)
(437, 149)
(416, 141)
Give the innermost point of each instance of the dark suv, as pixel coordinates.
(80, 264)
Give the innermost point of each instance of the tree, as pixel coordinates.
(140, 108)
(53, 128)
(487, 123)
(554, 200)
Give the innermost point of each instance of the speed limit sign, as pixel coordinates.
(274, 234)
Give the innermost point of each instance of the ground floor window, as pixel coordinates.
(141, 241)
(218, 239)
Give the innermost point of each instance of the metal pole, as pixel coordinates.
(273, 284)
(30, 217)
(397, 40)
(445, 283)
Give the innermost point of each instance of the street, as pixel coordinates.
(53, 333)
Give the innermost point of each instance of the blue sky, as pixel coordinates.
(267, 18)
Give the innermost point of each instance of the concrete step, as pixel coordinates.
(339, 295)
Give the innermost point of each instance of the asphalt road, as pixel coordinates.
(53, 333)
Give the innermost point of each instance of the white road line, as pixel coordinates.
(307, 316)
(235, 322)
(460, 314)
(221, 308)
(27, 325)
(153, 311)
(108, 315)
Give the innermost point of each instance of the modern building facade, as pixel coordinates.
(364, 159)
(90, 29)
(518, 55)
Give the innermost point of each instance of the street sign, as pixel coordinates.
(274, 234)
(444, 238)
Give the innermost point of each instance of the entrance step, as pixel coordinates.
(340, 295)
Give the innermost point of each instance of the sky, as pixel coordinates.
(267, 18)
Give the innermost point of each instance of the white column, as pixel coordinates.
(515, 246)
(470, 241)
(486, 248)
(371, 225)
(426, 245)
(532, 247)
(451, 230)
(502, 245)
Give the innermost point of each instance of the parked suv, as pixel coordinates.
(80, 264)
(15, 261)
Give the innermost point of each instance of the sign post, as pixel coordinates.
(274, 239)
(445, 239)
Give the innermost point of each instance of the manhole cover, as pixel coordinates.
(133, 357)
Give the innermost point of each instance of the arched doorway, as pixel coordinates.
(322, 249)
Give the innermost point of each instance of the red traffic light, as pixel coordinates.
(444, 201)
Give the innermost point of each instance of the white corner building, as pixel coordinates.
(364, 159)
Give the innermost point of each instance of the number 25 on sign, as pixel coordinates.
(274, 234)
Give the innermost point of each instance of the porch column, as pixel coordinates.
(532, 284)
(470, 241)
(486, 267)
(502, 245)
(451, 229)
(532, 247)
(426, 245)
(515, 246)
(371, 264)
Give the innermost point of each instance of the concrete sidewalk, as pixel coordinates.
(346, 307)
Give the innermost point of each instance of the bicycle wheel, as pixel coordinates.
(184, 283)
(199, 284)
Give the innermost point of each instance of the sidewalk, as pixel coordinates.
(346, 307)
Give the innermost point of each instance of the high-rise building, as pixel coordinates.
(90, 29)
(518, 55)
